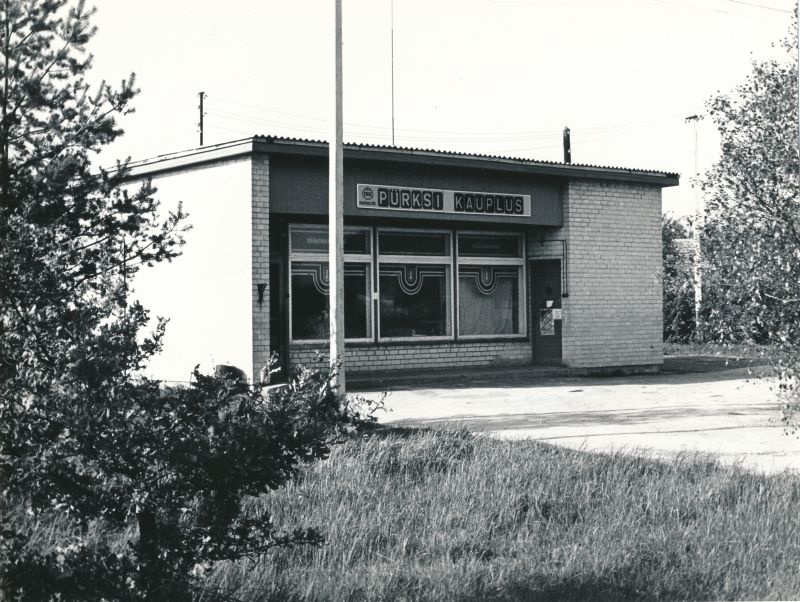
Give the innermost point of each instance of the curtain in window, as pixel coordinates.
(488, 300)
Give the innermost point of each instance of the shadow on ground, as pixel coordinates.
(689, 368)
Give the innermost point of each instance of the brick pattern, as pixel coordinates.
(613, 315)
(260, 260)
(368, 358)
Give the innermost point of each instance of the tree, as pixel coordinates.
(82, 438)
(752, 236)
(677, 280)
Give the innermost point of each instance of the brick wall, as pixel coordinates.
(367, 358)
(613, 315)
(260, 248)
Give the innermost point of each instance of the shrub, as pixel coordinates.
(176, 464)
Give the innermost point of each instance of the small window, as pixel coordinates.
(414, 243)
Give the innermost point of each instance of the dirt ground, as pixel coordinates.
(727, 412)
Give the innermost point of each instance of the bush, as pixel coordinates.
(173, 466)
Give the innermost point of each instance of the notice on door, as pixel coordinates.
(547, 326)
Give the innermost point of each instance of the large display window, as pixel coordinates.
(415, 285)
(428, 284)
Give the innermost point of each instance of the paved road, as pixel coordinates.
(730, 413)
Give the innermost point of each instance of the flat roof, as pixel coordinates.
(303, 147)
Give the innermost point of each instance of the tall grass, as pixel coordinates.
(443, 515)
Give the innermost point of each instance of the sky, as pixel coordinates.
(485, 76)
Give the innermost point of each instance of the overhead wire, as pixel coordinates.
(464, 136)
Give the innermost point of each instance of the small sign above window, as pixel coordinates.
(431, 200)
(488, 245)
(314, 239)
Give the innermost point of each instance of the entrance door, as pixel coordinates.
(546, 311)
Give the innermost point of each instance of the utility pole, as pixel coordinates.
(336, 213)
(200, 123)
(697, 228)
(567, 146)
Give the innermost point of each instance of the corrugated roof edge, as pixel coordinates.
(246, 145)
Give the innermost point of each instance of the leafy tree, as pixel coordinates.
(165, 472)
(677, 280)
(752, 238)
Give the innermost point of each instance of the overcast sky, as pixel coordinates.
(489, 76)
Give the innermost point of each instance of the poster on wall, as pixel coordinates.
(434, 200)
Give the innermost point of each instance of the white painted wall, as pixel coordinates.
(206, 292)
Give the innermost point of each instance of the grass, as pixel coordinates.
(445, 515)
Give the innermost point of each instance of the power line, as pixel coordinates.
(779, 10)
(450, 135)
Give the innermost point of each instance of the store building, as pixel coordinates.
(451, 260)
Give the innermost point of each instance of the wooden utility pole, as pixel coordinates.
(336, 213)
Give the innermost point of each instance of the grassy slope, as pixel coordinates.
(438, 515)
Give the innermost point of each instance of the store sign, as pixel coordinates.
(431, 200)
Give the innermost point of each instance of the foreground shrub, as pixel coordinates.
(176, 464)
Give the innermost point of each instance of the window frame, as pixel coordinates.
(444, 260)
(522, 278)
(365, 259)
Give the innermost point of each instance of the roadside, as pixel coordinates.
(695, 405)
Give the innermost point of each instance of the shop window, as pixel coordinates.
(491, 273)
(310, 282)
(488, 300)
(414, 300)
(415, 284)
(417, 276)
(310, 286)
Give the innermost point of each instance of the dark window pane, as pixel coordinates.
(487, 245)
(357, 243)
(309, 300)
(488, 300)
(357, 297)
(414, 300)
(414, 243)
(310, 285)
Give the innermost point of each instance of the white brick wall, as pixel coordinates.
(366, 358)
(613, 315)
